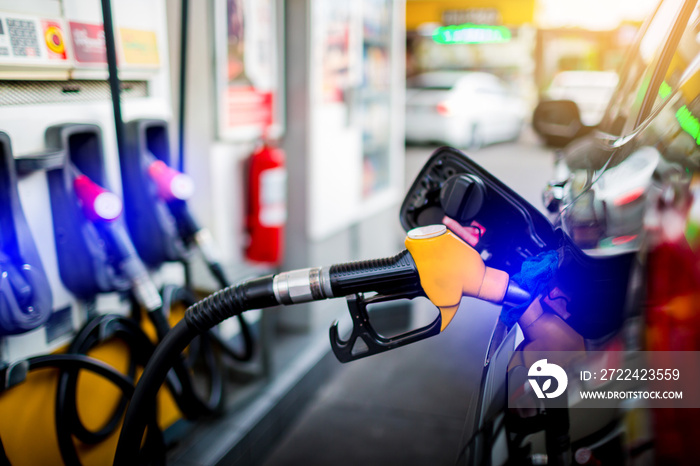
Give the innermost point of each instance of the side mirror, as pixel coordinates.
(558, 122)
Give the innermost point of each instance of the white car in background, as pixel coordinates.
(465, 109)
(590, 90)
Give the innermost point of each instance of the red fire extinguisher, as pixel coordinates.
(267, 204)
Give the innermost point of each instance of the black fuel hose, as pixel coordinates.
(136, 418)
(191, 233)
(248, 348)
(188, 401)
(95, 332)
(154, 445)
(68, 422)
(397, 273)
(182, 88)
(202, 346)
(83, 362)
(199, 318)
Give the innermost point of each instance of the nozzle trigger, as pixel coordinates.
(371, 341)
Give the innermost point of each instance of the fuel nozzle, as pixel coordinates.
(436, 264)
(103, 208)
(435, 261)
(98, 203)
(450, 269)
(175, 189)
(172, 185)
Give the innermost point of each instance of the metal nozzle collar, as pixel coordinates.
(301, 286)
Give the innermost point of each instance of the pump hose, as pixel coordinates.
(188, 401)
(136, 418)
(154, 445)
(248, 342)
(190, 231)
(178, 295)
(199, 318)
(231, 301)
(385, 275)
(68, 422)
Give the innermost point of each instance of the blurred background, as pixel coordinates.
(357, 95)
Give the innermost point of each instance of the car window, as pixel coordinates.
(434, 81)
(639, 68)
(675, 124)
(610, 183)
(663, 151)
(478, 82)
(490, 87)
(682, 71)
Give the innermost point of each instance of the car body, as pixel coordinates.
(462, 109)
(589, 90)
(629, 187)
(625, 225)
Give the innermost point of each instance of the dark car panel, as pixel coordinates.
(627, 183)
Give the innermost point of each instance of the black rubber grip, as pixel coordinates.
(386, 276)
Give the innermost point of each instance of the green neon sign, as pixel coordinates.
(471, 34)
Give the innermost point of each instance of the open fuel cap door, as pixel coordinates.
(454, 190)
(506, 229)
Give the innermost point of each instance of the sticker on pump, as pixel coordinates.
(139, 47)
(273, 202)
(53, 38)
(88, 43)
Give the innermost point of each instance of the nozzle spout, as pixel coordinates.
(515, 296)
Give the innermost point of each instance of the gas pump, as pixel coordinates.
(156, 196)
(148, 218)
(158, 216)
(91, 240)
(25, 297)
(79, 202)
(84, 266)
(52, 70)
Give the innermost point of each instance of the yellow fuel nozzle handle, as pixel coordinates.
(449, 269)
